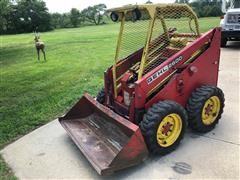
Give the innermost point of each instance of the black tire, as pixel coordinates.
(151, 123)
(195, 108)
(101, 96)
(223, 42)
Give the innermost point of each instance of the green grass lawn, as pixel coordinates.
(33, 93)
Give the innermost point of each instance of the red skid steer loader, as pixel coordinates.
(164, 78)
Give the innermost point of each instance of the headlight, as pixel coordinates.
(232, 18)
(136, 14)
(114, 17)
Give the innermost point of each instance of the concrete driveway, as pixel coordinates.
(48, 153)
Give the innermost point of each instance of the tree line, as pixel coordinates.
(22, 16)
(205, 8)
(75, 18)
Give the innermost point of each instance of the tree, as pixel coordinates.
(5, 10)
(37, 14)
(94, 14)
(182, 1)
(29, 15)
(214, 11)
(66, 21)
(75, 17)
(148, 2)
(56, 20)
(206, 8)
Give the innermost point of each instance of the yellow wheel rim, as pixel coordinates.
(169, 130)
(210, 110)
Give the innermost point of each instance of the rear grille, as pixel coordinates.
(233, 19)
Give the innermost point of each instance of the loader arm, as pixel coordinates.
(152, 82)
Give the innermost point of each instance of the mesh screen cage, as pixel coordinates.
(234, 3)
(155, 31)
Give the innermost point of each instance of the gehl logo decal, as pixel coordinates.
(163, 70)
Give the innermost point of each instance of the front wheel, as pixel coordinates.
(101, 96)
(205, 107)
(163, 126)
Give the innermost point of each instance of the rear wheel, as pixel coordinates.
(101, 96)
(163, 126)
(205, 107)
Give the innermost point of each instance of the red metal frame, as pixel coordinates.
(202, 71)
(108, 135)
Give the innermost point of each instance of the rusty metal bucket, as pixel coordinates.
(109, 141)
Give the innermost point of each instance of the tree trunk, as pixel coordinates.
(99, 18)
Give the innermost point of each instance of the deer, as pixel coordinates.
(39, 46)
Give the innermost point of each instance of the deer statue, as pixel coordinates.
(39, 46)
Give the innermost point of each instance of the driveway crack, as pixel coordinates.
(229, 142)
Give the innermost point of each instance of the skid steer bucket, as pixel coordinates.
(109, 141)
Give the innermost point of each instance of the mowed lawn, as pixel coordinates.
(34, 93)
